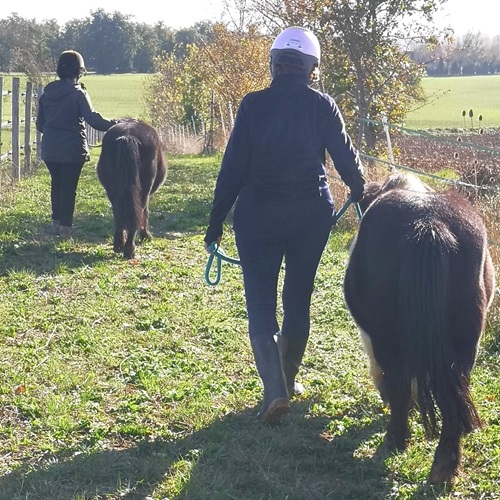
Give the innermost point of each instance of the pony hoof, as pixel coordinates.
(396, 444)
(129, 254)
(117, 249)
(145, 236)
(442, 475)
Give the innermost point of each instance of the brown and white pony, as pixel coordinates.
(131, 168)
(418, 284)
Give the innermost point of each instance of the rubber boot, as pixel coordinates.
(65, 232)
(291, 353)
(55, 226)
(267, 359)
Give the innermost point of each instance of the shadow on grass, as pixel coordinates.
(236, 457)
(34, 248)
(41, 252)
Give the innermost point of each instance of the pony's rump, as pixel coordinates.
(131, 168)
(418, 284)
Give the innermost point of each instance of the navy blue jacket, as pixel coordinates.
(278, 146)
(63, 109)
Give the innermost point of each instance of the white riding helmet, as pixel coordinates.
(298, 47)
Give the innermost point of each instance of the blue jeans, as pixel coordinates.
(268, 232)
(64, 181)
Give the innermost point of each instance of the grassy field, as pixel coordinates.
(448, 97)
(135, 379)
(116, 96)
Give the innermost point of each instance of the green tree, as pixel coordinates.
(108, 42)
(180, 92)
(72, 37)
(147, 47)
(25, 46)
(164, 90)
(247, 68)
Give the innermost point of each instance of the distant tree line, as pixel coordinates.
(109, 42)
(470, 54)
(115, 43)
(200, 74)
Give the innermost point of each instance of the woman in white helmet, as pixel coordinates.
(274, 165)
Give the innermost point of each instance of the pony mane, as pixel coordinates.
(405, 181)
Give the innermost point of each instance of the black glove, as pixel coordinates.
(213, 234)
(357, 193)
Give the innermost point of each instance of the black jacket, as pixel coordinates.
(278, 147)
(63, 109)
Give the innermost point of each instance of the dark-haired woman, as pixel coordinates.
(63, 109)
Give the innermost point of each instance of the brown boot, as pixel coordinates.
(65, 232)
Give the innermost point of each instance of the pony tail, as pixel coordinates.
(426, 336)
(127, 163)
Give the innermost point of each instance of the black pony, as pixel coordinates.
(131, 168)
(419, 282)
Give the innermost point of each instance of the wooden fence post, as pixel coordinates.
(28, 113)
(1, 113)
(16, 165)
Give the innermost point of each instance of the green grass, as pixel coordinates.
(449, 96)
(135, 379)
(117, 96)
(114, 96)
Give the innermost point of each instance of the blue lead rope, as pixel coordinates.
(340, 213)
(346, 205)
(217, 253)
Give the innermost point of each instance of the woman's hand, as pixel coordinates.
(217, 244)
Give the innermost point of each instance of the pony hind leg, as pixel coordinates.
(129, 246)
(446, 464)
(119, 235)
(398, 392)
(376, 372)
(144, 232)
(459, 417)
(118, 240)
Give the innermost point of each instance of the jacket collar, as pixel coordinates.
(290, 79)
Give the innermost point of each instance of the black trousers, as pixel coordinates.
(64, 181)
(268, 233)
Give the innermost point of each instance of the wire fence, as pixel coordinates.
(468, 161)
